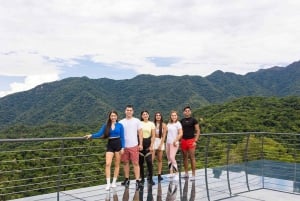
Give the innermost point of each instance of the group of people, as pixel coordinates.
(140, 141)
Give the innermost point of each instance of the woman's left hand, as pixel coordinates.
(88, 137)
(140, 147)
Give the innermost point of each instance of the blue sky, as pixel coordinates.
(45, 41)
(86, 67)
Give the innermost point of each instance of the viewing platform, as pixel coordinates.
(231, 166)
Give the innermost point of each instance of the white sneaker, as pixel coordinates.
(176, 177)
(113, 185)
(193, 178)
(107, 187)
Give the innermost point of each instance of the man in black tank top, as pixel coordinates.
(191, 133)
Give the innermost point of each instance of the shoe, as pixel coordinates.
(186, 175)
(176, 177)
(159, 178)
(151, 182)
(107, 187)
(113, 185)
(125, 182)
(193, 178)
(139, 185)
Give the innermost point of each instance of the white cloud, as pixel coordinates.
(30, 82)
(38, 38)
(26, 63)
(34, 67)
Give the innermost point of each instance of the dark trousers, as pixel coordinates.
(146, 155)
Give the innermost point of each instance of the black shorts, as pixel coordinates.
(114, 145)
(146, 143)
(146, 146)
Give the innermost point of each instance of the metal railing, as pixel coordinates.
(250, 161)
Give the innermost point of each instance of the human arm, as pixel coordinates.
(140, 135)
(197, 132)
(96, 135)
(176, 141)
(179, 135)
(163, 135)
(88, 136)
(122, 136)
(152, 139)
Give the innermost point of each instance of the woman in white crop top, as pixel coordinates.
(173, 137)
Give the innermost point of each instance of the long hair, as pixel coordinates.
(160, 123)
(108, 123)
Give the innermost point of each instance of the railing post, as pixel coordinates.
(227, 165)
(263, 159)
(179, 172)
(206, 164)
(295, 162)
(59, 172)
(246, 160)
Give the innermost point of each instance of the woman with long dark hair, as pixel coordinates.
(159, 143)
(114, 131)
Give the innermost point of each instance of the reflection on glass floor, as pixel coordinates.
(243, 182)
(170, 190)
(165, 190)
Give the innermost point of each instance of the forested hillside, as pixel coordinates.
(84, 101)
(252, 114)
(248, 114)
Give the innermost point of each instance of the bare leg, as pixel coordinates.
(126, 169)
(193, 161)
(117, 164)
(153, 155)
(136, 169)
(185, 161)
(108, 156)
(159, 161)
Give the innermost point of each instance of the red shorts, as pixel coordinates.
(187, 144)
(130, 154)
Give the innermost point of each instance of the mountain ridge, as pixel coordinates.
(81, 100)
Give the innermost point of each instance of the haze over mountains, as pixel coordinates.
(87, 101)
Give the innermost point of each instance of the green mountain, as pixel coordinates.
(246, 114)
(252, 114)
(84, 101)
(279, 81)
